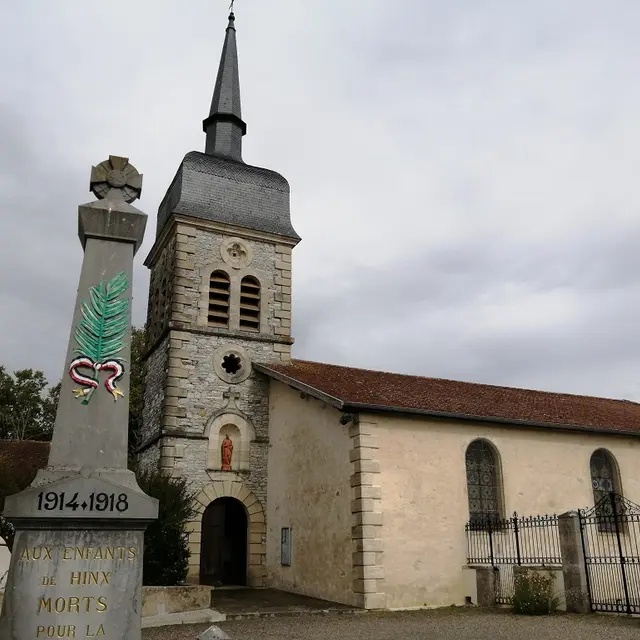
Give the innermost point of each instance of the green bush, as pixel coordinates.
(166, 548)
(533, 593)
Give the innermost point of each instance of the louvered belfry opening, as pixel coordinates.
(219, 292)
(250, 304)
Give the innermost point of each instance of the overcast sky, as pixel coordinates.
(464, 174)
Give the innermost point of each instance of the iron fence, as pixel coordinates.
(611, 541)
(515, 541)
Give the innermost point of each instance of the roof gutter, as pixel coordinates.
(355, 407)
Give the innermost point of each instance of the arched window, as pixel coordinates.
(604, 477)
(219, 292)
(250, 304)
(483, 482)
(604, 482)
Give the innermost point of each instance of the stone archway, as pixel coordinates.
(256, 569)
(224, 544)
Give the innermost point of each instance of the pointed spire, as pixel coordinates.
(224, 127)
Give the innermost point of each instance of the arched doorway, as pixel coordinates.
(223, 549)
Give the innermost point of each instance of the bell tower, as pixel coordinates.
(219, 301)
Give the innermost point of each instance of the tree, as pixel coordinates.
(136, 388)
(19, 463)
(166, 546)
(27, 411)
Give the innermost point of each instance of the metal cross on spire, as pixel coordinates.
(231, 6)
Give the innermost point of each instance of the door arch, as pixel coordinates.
(223, 547)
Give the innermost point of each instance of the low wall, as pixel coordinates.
(157, 601)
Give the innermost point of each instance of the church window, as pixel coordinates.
(250, 304)
(219, 292)
(483, 482)
(604, 482)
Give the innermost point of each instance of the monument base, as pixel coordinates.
(74, 584)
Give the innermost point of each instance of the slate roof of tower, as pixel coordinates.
(351, 389)
(223, 190)
(218, 185)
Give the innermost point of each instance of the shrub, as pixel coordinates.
(533, 593)
(166, 548)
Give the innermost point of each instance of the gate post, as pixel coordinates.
(574, 569)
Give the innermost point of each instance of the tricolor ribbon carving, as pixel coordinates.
(100, 336)
(91, 384)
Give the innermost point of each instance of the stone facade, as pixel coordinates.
(191, 401)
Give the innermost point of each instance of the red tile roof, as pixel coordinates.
(25, 453)
(348, 388)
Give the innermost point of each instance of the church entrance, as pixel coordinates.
(223, 552)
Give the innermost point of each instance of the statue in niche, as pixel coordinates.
(227, 452)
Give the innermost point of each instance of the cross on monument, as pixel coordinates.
(76, 563)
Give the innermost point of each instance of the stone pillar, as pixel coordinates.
(574, 569)
(368, 572)
(486, 583)
(76, 566)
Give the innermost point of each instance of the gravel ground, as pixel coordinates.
(443, 624)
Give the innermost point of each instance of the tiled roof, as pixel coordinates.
(348, 388)
(25, 453)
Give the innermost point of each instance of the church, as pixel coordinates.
(344, 484)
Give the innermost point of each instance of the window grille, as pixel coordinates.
(219, 293)
(604, 483)
(482, 483)
(250, 304)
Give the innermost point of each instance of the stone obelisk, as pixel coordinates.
(76, 563)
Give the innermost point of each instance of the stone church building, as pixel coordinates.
(339, 483)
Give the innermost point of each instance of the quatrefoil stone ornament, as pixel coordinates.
(115, 178)
(236, 253)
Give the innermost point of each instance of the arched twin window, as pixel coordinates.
(250, 304)
(219, 296)
(483, 483)
(220, 300)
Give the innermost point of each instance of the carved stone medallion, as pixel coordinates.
(232, 363)
(236, 253)
(116, 178)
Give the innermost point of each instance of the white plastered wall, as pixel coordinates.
(424, 495)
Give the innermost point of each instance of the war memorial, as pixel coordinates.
(76, 565)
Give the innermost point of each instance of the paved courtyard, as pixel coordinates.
(443, 624)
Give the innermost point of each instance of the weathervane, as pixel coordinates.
(231, 6)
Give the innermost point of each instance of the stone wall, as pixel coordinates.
(190, 398)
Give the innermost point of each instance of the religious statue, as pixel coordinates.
(227, 452)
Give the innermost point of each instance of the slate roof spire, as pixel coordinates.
(224, 127)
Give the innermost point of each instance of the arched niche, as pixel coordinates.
(237, 429)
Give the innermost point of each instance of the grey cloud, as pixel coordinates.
(463, 174)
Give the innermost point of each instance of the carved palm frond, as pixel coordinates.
(105, 319)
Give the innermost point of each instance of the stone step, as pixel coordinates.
(186, 617)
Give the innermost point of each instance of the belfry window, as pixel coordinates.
(219, 292)
(483, 483)
(250, 304)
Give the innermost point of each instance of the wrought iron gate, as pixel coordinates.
(611, 542)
